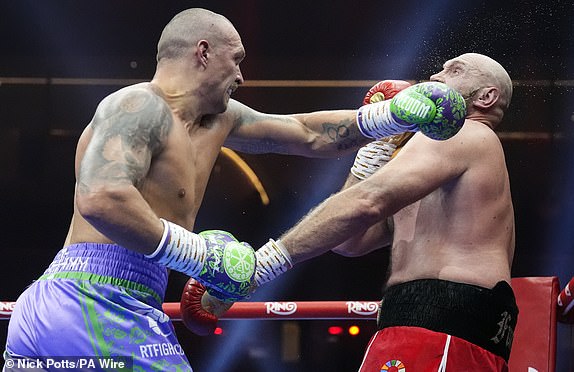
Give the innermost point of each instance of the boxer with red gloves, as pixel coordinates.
(448, 303)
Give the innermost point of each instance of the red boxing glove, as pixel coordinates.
(199, 310)
(384, 90)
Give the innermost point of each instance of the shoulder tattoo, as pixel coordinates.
(129, 127)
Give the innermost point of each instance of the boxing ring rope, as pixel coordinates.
(310, 310)
(282, 310)
(542, 305)
(504, 136)
(318, 310)
(28, 80)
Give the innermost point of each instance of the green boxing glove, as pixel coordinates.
(229, 266)
(433, 108)
(215, 258)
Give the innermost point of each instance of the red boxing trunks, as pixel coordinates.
(414, 349)
(436, 325)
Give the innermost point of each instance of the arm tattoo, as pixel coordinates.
(341, 135)
(129, 127)
(286, 133)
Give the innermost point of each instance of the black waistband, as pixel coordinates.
(485, 317)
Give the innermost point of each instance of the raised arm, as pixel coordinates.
(433, 108)
(317, 134)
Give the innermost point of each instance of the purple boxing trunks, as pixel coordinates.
(96, 301)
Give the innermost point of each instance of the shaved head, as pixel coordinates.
(190, 26)
(491, 74)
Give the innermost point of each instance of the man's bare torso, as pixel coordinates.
(177, 177)
(463, 231)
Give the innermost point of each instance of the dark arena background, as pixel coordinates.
(59, 58)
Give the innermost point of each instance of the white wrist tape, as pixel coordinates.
(273, 259)
(180, 250)
(376, 121)
(371, 157)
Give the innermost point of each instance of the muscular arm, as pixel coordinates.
(317, 134)
(377, 236)
(369, 159)
(422, 166)
(128, 129)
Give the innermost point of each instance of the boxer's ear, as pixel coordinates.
(202, 52)
(486, 97)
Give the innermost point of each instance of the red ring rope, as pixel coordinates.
(287, 310)
(317, 310)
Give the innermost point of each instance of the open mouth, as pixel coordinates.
(231, 89)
